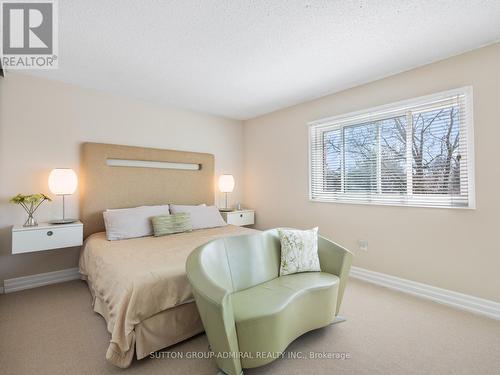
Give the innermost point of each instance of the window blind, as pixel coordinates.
(417, 152)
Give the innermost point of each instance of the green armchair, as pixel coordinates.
(249, 312)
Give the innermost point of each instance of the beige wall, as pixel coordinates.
(449, 248)
(43, 122)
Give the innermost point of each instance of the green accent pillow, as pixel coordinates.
(299, 251)
(169, 224)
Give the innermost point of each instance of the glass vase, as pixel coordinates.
(30, 221)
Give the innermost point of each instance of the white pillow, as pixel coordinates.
(134, 222)
(201, 216)
(299, 251)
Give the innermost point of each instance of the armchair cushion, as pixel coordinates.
(272, 314)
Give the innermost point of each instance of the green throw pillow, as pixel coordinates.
(169, 224)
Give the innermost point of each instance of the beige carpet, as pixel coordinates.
(53, 330)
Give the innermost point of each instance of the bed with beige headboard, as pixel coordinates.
(139, 285)
(104, 186)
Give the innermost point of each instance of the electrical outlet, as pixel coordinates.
(363, 245)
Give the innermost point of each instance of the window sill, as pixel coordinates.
(393, 204)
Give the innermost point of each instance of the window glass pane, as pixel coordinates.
(393, 155)
(361, 158)
(436, 158)
(332, 141)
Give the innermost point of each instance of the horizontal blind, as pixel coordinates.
(410, 153)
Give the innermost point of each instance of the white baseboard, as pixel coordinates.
(41, 279)
(459, 300)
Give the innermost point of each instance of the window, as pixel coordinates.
(416, 153)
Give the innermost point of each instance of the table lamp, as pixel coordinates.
(226, 185)
(63, 181)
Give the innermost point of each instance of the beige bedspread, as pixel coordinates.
(137, 278)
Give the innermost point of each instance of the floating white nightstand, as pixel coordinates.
(239, 217)
(46, 236)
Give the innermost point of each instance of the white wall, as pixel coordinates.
(42, 124)
(449, 248)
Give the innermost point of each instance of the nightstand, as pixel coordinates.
(46, 236)
(239, 217)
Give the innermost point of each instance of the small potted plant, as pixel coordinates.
(30, 203)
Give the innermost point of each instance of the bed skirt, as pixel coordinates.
(159, 331)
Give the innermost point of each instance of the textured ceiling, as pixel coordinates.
(244, 58)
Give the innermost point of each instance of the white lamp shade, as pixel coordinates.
(63, 181)
(226, 183)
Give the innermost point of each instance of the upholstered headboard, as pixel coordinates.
(114, 176)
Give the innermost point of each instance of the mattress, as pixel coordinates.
(133, 280)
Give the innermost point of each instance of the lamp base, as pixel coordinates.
(63, 221)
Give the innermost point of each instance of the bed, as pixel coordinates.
(139, 285)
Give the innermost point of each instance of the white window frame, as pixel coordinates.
(383, 111)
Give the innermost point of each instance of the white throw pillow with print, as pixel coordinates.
(299, 251)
